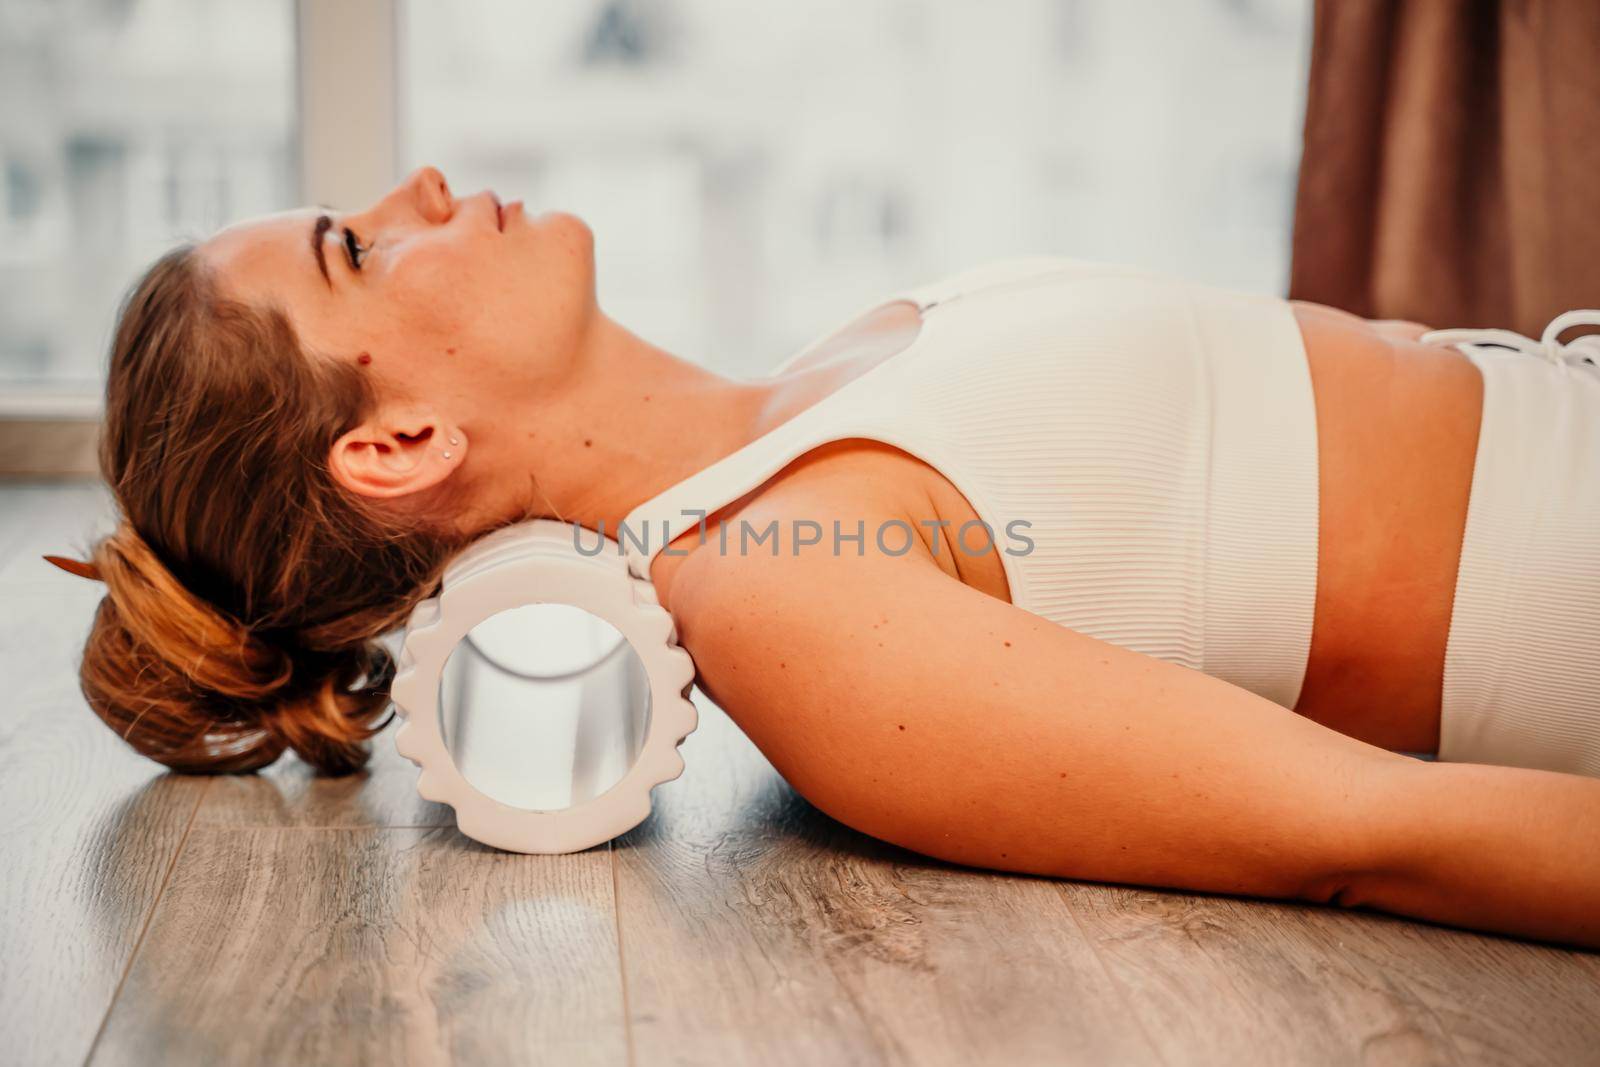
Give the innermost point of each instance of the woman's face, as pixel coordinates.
(455, 302)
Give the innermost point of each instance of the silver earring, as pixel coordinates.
(454, 441)
(446, 455)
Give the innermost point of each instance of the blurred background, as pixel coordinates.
(753, 172)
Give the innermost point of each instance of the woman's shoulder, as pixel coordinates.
(819, 502)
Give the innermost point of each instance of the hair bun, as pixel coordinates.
(194, 689)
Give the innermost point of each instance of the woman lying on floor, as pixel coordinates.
(1119, 578)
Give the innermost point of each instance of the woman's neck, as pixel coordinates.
(632, 421)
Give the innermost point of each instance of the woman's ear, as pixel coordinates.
(397, 452)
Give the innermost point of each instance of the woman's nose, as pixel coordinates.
(430, 193)
(423, 194)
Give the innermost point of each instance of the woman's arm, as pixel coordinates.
(925, 713)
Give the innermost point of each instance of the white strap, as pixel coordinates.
(1548, 346)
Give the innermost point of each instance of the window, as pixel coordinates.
(125, 126)
(753, 172)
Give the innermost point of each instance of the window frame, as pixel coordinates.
(345, 152)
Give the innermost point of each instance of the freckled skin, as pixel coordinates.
(507, 298)
(439, 277)
(1083, 759)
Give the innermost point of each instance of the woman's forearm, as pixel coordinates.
(1497, 848)
(925, 713)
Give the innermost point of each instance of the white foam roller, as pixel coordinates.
(524, 745)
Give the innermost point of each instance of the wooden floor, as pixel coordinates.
(150, 918)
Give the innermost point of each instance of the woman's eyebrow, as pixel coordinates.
(318, 230)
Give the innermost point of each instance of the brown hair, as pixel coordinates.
(245, 588)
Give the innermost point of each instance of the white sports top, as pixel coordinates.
(1156, 439)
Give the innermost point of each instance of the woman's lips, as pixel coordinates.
(503, 212)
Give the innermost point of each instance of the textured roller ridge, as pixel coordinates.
(536, 562)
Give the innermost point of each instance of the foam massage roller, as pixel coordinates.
(543, 691)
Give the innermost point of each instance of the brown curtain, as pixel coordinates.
(1451, 172)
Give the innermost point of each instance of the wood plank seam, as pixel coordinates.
(1111, 979)
(144, 928)
(622, 964)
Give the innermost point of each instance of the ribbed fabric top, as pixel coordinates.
(1157, 438)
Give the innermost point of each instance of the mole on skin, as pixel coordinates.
(364, 358)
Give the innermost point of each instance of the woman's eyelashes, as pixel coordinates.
(354, 249)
